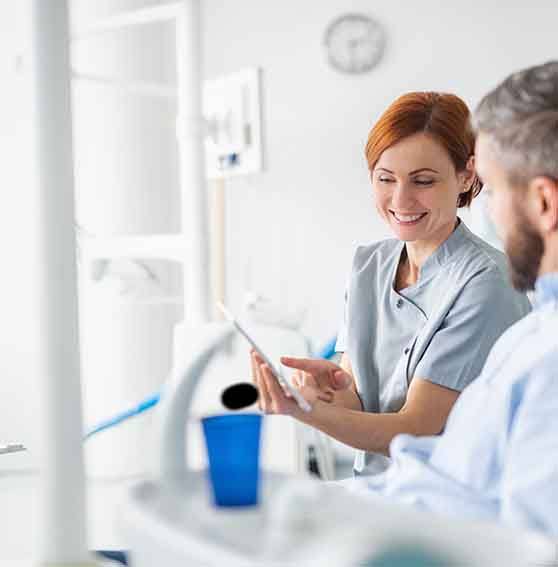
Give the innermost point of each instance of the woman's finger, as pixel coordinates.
(255, 378)
(308, 379)
(267, 403)
(296, 379)
(341, 380)
(324, 372)
(312, 365)
(326, 396)
(254, 368)
(264, 398)
(279, 401)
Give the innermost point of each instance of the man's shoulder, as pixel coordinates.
(527, 344)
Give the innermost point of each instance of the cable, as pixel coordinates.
(146, 404)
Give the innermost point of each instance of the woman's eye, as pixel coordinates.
(385, 180)
(424, 181)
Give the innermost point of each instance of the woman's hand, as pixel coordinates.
(327, 376)
(273, 399)
(305, 383)
(315, 380)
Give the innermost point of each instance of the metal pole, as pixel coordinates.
(218, 251)
(190, 131)
(62, 537)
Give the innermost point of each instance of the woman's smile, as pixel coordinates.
(407, 219)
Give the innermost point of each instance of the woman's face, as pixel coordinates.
(416, 189)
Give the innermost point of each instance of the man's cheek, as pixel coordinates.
(498, 216)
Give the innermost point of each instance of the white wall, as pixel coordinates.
(297, 223)
(292, 229)
(18, 335)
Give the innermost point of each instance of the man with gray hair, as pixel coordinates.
(498, 456)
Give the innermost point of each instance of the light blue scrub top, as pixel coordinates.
(498, 456)
(440, 329)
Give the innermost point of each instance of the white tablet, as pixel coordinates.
(302, 403)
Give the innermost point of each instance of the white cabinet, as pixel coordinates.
(141, 211)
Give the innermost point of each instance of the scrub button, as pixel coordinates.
(399, 303)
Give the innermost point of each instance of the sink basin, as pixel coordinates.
(177, 525)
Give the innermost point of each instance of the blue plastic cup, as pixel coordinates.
(233, 450)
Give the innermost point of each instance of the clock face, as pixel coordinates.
(354, 43)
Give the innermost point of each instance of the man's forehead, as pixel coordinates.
(485, 153)
(482, 142)
(481, 152)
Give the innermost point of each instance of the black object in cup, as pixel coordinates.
(238, 396)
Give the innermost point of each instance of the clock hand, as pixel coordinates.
(353, 45)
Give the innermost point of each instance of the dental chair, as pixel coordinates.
(170, 521)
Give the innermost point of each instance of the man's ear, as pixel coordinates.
(468, 175)
(543, 193)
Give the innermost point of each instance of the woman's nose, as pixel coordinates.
(401, 198)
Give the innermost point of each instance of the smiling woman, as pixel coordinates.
(423, 309)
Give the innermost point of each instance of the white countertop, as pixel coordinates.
(19, 515)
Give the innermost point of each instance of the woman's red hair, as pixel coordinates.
(443, 116)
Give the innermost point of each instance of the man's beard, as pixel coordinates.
(525, 249)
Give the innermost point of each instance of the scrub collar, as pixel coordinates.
(444, 252)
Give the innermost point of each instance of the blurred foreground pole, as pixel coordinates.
(62, 534)
(191, 132)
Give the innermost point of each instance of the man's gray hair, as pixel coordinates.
(521, 117)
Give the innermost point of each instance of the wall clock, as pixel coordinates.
(354, 43)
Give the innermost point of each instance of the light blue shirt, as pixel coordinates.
(498, 456)
(440, 329)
